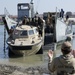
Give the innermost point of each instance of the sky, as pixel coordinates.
(39, 5)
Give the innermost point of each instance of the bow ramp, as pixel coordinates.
(62, 30)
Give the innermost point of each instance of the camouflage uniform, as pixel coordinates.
(25, 20)
(63, 65)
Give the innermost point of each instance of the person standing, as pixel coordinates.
(24, 20)
(67, 16)
(61, 13)
(65, 63)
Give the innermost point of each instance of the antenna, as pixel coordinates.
(32, 8)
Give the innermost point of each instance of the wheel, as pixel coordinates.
(10, 53)
(40, 51)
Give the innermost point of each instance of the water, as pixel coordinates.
(33, 60)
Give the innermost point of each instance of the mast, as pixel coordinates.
(32, 8)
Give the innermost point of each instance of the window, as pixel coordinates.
(16, 32)
(24, 7)
(23, 33)
(31, 32)
(35, 30)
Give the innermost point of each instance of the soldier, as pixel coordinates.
(24, 20)
(65, 63)
(67, 16)
(36, 20)
(61, 13)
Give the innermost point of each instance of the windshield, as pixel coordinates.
(23, 33)
(20, 33)
(35, 30)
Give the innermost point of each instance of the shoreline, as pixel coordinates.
(6, 69)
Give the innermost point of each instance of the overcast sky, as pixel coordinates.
(40, 5)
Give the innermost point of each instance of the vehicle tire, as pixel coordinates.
(10, 53)
(40, 51)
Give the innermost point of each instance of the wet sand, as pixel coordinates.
(16, 70)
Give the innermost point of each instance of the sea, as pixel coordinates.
(32, 60)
